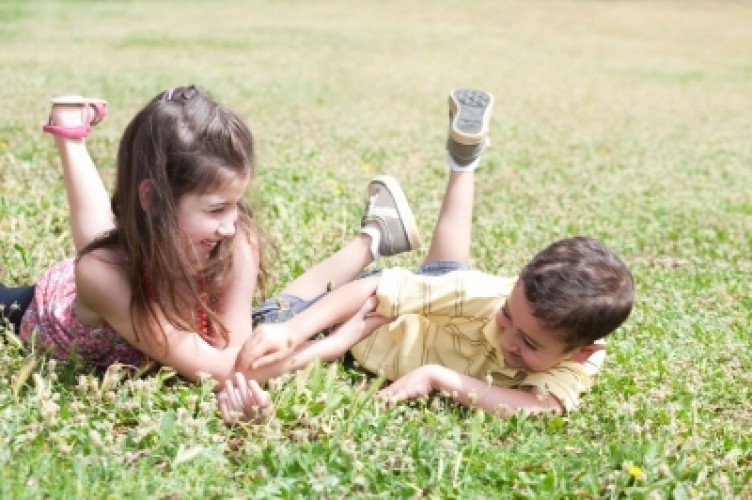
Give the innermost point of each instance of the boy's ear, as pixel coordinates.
(584, 353)
(145, 195)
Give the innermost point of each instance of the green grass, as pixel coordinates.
(628, 121)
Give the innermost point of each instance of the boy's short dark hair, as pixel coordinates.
(579, 288)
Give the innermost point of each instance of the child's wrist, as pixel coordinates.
(435, 377)
(440, 378)
(297, 336)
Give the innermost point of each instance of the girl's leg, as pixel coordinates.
(469, 114)
(88, 201)
(388, 228)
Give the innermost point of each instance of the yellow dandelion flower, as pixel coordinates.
(635, 471)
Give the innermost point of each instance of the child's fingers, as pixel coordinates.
(254, 398)
(248, 354)
(255, 401)
(233, 396)
(374, 322)
(266, 359)
(224, 408)
(261, 397)
(388, 395)
(370, 305)
(241, 361)
(246, 397)
(397, 391)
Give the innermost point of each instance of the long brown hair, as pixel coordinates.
(182, 142)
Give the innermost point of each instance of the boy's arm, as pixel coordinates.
(469, 391)
(329, 348)
(272, 342)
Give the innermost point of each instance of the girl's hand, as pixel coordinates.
(419, 382)
(268, 343)
(244, 401)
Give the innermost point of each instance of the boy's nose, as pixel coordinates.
(514, 347)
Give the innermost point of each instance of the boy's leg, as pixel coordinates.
(340, 267)
(469, 116)
(450, 240)
(387, 228)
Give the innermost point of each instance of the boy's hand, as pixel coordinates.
(417, 383)
(244, 401)
(268, 343)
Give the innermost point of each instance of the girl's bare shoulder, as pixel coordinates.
(103, 287)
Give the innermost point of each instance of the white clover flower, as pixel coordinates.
(95, 437)
(50, 411)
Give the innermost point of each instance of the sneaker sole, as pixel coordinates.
(471, 111)
(403, 208)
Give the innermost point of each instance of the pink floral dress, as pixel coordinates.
(50, 323)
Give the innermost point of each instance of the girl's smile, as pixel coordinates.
(208, 218)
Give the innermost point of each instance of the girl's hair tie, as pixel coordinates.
(167, 95)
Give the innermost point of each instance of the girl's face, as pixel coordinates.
(208, 218)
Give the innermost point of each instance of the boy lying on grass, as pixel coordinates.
(531, 343)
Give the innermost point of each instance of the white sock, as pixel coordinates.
(374, 231)
(470, 167)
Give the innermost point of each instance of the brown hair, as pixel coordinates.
(182, 142)
(579, 288)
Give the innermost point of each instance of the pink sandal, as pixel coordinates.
(93, 111)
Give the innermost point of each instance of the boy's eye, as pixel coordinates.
(529, 344)
(505, 312)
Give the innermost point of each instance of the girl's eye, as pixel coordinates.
(505, 312)
(221, 209)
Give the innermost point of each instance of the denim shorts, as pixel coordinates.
(284, 306)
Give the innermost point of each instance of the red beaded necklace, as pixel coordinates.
(202, 319)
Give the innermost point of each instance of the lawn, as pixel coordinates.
(629, 121)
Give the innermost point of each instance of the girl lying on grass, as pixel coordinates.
(167, 269)
(503, 344)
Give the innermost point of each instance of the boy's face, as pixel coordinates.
(524, 343)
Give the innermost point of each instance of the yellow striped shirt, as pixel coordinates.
(450, 320)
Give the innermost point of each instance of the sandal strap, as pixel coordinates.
(100, 111)
(94, 111)
(69, 131)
